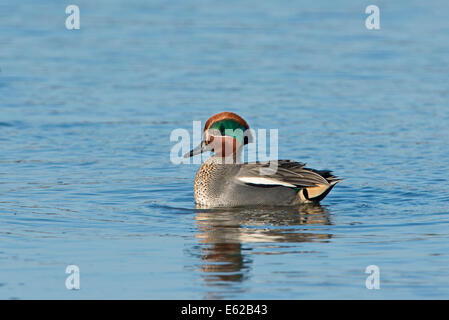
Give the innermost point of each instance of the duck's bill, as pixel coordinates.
(199, 149)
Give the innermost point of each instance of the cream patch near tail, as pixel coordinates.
(316, 193)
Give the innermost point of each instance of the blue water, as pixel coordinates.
(85, 171)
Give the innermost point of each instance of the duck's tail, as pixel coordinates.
(316, 194)
(319, 192)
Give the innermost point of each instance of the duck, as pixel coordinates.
(224, 180)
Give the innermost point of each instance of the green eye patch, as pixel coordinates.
(230, 128)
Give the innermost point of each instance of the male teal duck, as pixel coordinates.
(224, 181)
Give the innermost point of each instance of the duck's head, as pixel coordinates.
(224, 134)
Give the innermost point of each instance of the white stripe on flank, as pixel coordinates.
(265, 181)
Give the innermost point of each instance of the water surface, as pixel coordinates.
(85, 170)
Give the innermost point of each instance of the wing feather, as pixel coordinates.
(285, 173)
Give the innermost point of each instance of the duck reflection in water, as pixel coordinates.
(224, 232)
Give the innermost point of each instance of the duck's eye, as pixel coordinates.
(209, 140)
